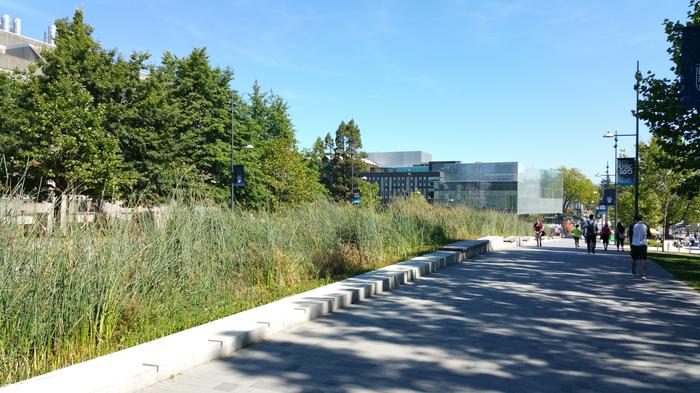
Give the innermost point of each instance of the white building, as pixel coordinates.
(18, 51)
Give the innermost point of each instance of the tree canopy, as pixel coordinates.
(676, 128)
(109, 126)
(577, 188)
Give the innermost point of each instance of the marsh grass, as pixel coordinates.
(92, 289)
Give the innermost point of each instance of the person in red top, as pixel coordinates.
(605, 236)
(538, 232)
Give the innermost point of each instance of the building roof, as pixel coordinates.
(18, 52)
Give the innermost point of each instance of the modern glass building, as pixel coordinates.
(505, 186)
(396, 159)
(400, 182)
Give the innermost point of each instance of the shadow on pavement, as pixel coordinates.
(527, 320)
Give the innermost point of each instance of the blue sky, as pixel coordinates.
(532, 81)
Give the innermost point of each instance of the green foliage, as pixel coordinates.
(110, 126)
(342, 162)
(93, 289)
(58, 128)
(369, 194)
(661, 196)
(288, 176)
(66, 140)
(677, 128)
(577, 188)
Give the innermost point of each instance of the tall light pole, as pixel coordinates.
(352, 179)
(606, 184)
(233, 183)
(636, 190)
(638, 78)
(233, 195)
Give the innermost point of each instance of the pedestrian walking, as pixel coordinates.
(620, 236)
(577, 235)
(539, 227)
(590, 231)
(639, 232)
(605, 236)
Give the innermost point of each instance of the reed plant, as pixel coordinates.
(93, 288)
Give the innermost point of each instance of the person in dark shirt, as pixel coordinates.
(590, 229)
(605, 236)
(620, 236)
(539, 227)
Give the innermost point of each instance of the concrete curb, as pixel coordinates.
(498, 243)
(146, 364)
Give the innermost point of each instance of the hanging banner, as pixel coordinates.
(625, 171)
(238, 176)
(601, 211)
(609, 197)
(690, 67)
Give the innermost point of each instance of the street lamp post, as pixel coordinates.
(352, 179)
(247, 147)
(233, 195)
(637, 77)
(636, 189)
(606, 184)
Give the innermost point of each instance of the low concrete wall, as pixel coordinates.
(497, 243)
(146, 364)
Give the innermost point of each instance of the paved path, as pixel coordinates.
(527, 320)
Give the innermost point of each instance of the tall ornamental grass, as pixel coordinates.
(91, 289)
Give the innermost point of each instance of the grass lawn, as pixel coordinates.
(685, 267)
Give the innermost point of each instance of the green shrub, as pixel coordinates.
(92, 289)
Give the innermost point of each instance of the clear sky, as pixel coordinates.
(531, 81)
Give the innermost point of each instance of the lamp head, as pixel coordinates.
(608, 135)
(248, 147)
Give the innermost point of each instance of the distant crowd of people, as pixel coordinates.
(638, 233)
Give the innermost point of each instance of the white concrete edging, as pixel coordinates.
(143, 365)
(497, 243)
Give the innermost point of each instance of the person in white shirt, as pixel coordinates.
(638, 240)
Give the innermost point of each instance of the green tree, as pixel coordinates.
(60, 120)
(577, 188)
(369, 194)
(200, 140)
(113, 125)
(662, 200)
(677, 128)
(346, 162)
(66, 142)
(290, 179)
(278, 173)
(12, 120)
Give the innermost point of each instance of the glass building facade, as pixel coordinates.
(505, 186)
(401, 182)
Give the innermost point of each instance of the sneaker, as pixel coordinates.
(644, 278)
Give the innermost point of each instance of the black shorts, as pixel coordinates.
(638, 252)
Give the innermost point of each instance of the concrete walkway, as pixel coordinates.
(552, 319)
